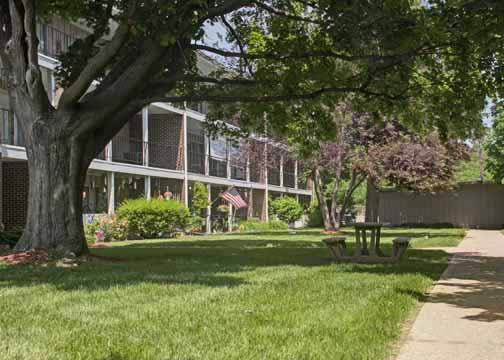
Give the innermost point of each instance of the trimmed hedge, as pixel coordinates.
(155, 218)
(257, 225)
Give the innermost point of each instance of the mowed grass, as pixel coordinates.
(256, 296)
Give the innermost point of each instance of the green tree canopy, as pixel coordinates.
(428, 65)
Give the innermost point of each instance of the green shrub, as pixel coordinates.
(258, 225)
(154, 218)
(287, 209)
(315, 216)
(106, 228)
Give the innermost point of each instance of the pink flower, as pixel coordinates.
(100, 235)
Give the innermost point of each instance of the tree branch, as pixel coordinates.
(5, 25)
(14, 46)
(239, 42)
(240, 81)
(286, 15)
(131, 81)
(225, 8)
(375, 58)
(99, 62)
(271, 98)
(95, 66)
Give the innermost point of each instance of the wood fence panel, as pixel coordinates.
(470, 205)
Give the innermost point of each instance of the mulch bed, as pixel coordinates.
(26, 257)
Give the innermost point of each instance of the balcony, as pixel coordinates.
(164, 156)
(127, 150)
(218, 167)
(289, 179)
(195, 153)
(239, 173)
(53, 42)
(10, 133)
(274, 176)
(302, 184)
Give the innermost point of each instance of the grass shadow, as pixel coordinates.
(216, 263)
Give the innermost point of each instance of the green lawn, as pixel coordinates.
(269, 296)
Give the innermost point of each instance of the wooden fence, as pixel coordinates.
(472, 205)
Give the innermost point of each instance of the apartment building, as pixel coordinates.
(162, 149)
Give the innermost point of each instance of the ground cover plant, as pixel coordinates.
(274, 295)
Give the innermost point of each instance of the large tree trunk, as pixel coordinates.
(57, 170)
(324, 210)
(372, 202)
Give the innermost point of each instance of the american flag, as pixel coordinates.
(233, 197)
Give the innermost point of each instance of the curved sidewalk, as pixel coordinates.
(463, 317)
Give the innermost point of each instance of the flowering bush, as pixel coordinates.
(108, 228)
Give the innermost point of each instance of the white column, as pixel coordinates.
(52, 89)
(230, 218)
(266, 189)
(186, 182)
(207, 155)
(228, 159)
(209, 210)
(145, 135)
(111, 192)
(295, 174)
(147, 187)
(108, 151)
(281, 170)
(15, 141)
(248, 168)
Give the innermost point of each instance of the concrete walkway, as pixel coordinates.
(463, 317)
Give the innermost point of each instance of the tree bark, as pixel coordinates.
(324, 210)
(57, 168)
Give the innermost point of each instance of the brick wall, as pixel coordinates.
(166, 141)
(14, 194)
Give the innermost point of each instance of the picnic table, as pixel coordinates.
(361, 245)
(363, 252)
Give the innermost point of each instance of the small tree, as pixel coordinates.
(199, 203)
(200, 198)
(287, 209)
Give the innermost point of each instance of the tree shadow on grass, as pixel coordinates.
(209, 263)
(473, 282)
